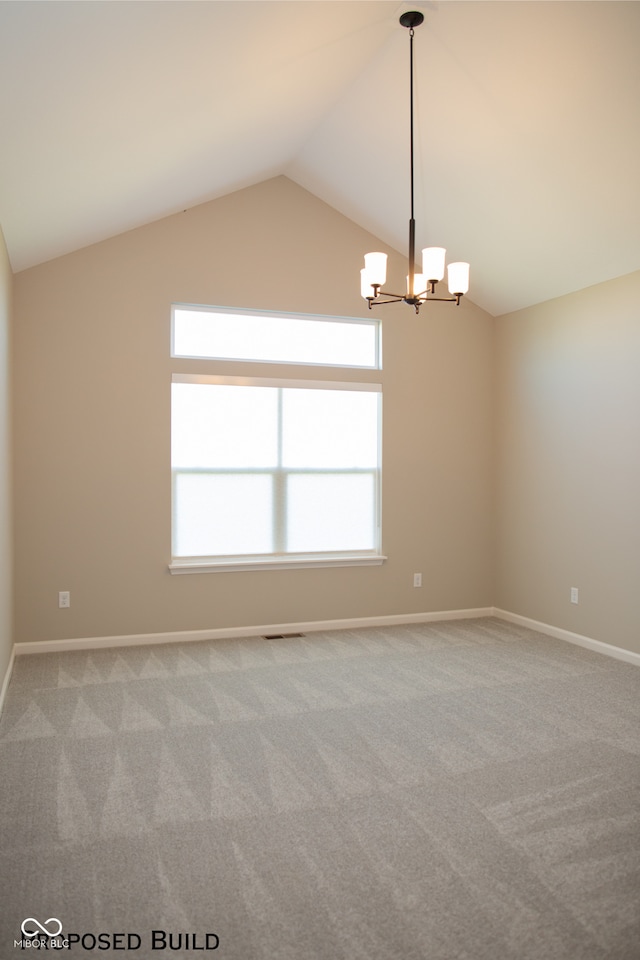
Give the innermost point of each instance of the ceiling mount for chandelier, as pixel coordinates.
(421, 287)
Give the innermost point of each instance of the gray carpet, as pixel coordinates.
(466, 790)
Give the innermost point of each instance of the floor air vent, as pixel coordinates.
(281, 636)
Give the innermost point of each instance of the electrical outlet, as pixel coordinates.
(417, 579)
(574, 594)
(64, 599)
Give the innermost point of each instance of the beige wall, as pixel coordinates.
(92, 426)
(6, 559)
(568, 464)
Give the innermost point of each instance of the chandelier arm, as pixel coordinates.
(419, 298)
(387, 293)
(455, 299)
(374, 303)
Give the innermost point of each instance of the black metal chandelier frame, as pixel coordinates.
(411, 20)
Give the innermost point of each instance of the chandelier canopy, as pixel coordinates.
(421, 286)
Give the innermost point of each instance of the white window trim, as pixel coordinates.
(229, 565)
(275, 382)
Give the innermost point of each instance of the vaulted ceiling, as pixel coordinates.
(115, 114)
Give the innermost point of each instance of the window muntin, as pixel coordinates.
(224, 333)
(267, 469)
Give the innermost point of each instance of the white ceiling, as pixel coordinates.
(114, 114)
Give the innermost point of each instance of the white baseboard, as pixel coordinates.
(312, 626)
(619, 653)
(7, 678)
(222, 633)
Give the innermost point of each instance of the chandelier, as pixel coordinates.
(421, 287)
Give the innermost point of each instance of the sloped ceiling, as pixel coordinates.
(114, 114)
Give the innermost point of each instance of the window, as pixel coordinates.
(273, 472)
(226, 334)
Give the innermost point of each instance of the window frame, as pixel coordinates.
(276, 560)
(200, 308)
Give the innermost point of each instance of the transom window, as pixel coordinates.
(228, 334)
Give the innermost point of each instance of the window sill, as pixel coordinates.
(277, 563)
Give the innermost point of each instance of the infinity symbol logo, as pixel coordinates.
(44, 929)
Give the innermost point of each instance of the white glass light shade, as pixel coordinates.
(376, 266)
(458, 277)
(433, 262)
(419, 285)
(366, 290)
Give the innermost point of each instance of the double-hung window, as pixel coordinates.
(272, 471)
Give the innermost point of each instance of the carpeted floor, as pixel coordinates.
(465, 790)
